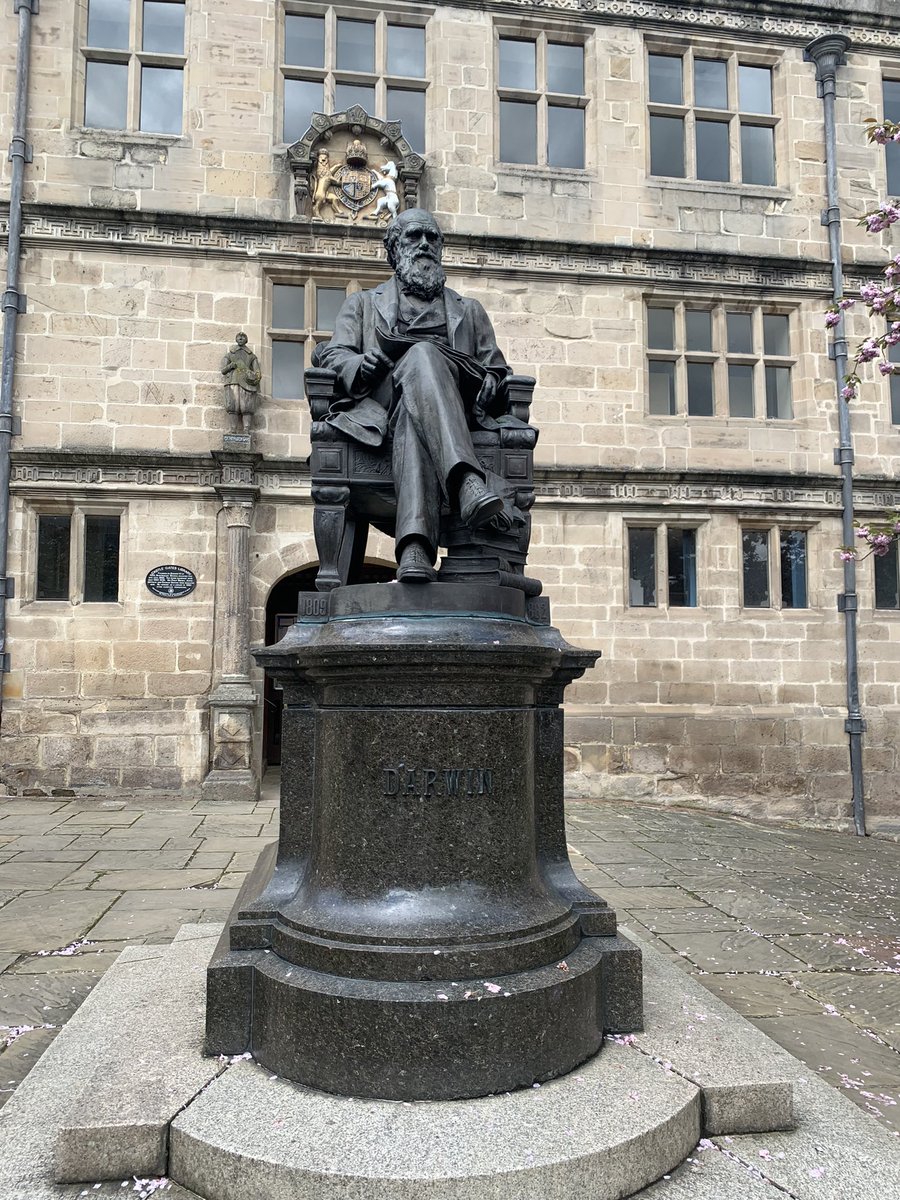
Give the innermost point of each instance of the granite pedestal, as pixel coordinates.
(419, 933)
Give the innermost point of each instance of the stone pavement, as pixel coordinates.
(796, 929)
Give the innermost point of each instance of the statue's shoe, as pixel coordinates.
(414, 565)
(477, 503)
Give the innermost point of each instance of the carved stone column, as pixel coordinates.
(233, 702)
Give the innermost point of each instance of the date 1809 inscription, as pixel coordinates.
(437, 781)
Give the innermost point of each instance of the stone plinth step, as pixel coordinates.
(661, 1092)
(147, 1063)
(601, 1132)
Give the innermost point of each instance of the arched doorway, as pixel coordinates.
(281, 612)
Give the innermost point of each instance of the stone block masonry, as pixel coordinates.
(145, 253)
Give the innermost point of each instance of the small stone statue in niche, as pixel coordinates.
(242, 372)
(389, 201)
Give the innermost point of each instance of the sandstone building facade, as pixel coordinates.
(632, 189)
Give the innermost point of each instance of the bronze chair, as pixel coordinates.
(352, 488)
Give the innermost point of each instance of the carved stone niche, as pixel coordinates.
(350, 167)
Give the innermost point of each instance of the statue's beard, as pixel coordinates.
(421, 274)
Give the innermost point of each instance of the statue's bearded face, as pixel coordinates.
(417, 259)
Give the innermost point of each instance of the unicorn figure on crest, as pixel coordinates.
(390, 201)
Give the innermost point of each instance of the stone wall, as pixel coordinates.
(718, 705)
(109, 696)
(229, 158)
(121, 352)
(144, 255)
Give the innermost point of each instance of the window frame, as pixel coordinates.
(894, 554)
(774, 530)
(720, 357)
(733, 116)
(134, 59)
(893, 380)
(892, 164)
(309, 334)
(661, 573)
(540, 96)
(77, 511)
(329, 75)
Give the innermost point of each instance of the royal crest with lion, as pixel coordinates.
(350, 167)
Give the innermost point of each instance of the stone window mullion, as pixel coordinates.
(759, 373)
(330, 58)
(134, 65)
(720, 369)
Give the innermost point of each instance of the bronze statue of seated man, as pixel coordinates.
(418, 367)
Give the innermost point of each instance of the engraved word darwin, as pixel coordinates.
(437, 781)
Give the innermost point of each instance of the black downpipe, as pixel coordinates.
(13, 303)
(828, 53)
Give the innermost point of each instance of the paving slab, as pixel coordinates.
(25, 876)
(18, 823)
(237, 845)
(78, 881)
(854, 951)
(687, 920)
(604, 853)
(171, 823)
(18, 1058)
(201, 861)
(718, 952)
(146, 914)
(131, 859)
(10, 807)
(199, 930)
(831, 1044)
(119, 881)
(755, 995)
(870, 1000)
(649, 897)
(231, 827)
(49, 920)
(117, 840)
(50, 856)
(40, 841)
(639, 875)
(95, 956)
(107, 818)
(49, 998)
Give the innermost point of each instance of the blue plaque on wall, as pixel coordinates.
(171, 582)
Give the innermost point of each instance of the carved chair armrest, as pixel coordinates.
(520, 391)
(320, 388)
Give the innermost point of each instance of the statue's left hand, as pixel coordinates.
(486, 395)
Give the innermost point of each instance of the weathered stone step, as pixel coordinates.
(602, 1132)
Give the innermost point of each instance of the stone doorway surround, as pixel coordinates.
(281, 611)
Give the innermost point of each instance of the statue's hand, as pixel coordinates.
(486, 395)
(374, 366)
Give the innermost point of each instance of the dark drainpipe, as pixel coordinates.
(828, 53)
(13, 302)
